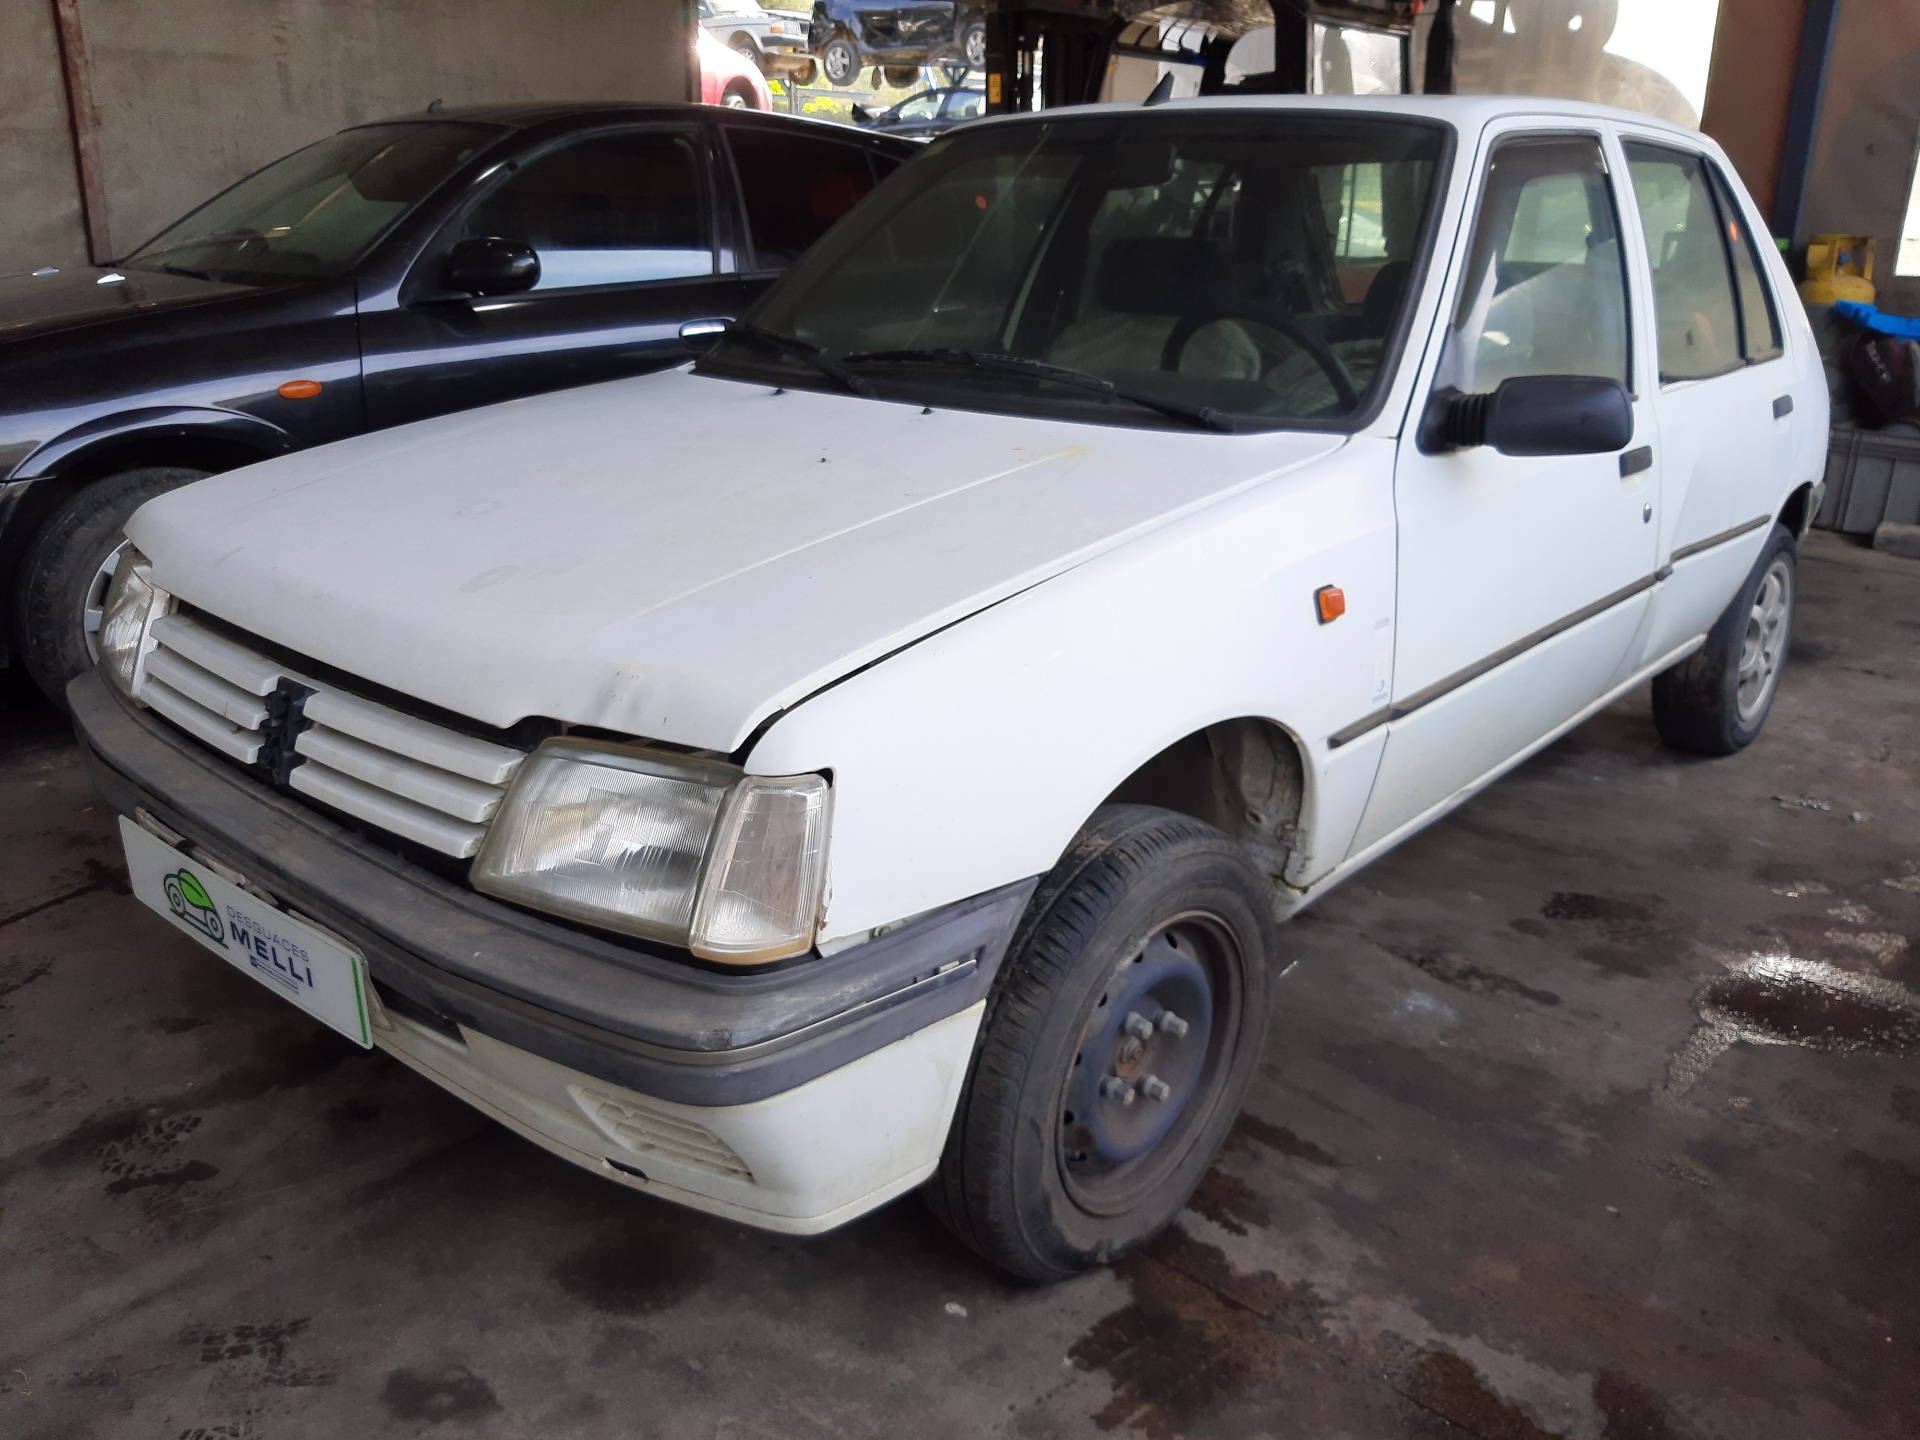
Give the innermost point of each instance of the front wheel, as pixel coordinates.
(1119, 1041)
(840, 60)
(1716, 700)
(66, 571)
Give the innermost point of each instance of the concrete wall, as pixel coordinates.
(194, 94)
(1864, 148)
(1755, 47)
(39, 190)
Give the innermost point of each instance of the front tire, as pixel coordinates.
(1094, 1106)
(1716, 701)
(65, 572)
(840, 61)
(973, 45)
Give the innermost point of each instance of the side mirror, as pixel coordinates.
(862, 115)
(1532, 415)
(489, 265)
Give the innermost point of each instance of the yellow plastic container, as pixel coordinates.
(1839, 267)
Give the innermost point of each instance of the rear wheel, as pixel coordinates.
(840, 60)
(66, 570)
(738, 96)
(1717, 700)
(1118, 1044)
(973, 44)
(743, 44)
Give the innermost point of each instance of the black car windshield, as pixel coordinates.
(315, 212)
(1237, 270)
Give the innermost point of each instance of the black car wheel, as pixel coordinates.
(64, 577)
(1120, 1038)
(840, 59)
(973, 44)
(1717, 700)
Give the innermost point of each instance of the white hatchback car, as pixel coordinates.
(880, 754)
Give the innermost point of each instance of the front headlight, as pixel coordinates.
(665, 847)
(133, 603)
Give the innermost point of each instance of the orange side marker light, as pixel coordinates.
(300, 389)
(1330, 601)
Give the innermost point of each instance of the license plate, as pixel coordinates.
(296, 960)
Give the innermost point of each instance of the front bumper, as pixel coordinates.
(831, 1081)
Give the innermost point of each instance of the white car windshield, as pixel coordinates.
(1238, 270)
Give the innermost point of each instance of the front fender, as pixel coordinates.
(156, 423)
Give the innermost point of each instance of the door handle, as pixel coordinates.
(1632, 462)
(711, 328)
(1783, 407)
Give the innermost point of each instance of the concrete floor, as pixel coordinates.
(1533, 1154)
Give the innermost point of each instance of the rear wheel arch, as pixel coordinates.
(1797, 513)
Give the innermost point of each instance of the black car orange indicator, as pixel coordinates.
(1330, 602)
(300, 389)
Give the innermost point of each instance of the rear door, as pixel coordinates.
(1725, 387)
(626, 224)
(1523, 581)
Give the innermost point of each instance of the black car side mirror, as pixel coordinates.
(862, 115)
(1532, 415)
(489, 265)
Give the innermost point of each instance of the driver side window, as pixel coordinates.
(1545, 291)
(606, 210)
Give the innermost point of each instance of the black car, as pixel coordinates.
(922, 116)
(390, 272)
(898, 35)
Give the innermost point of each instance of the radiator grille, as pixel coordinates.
(418, 780)
(642, 1128)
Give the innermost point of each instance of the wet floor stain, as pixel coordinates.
(636, 1270)
(1631, 1411)
(1781, 1000)
(1460, 974)
(1445, 1396)
(451, 1393)
(1249, 1129)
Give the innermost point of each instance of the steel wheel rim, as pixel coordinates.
(93, 606)
(1763, 643)
(1115, 1183)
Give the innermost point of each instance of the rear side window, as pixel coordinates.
(794, 187)
(1759, 323)
(606, 210)
(1711, 303)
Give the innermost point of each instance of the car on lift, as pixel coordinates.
(880, 755)
(774, 40)
(388, 273)
(849, 35)
(929, 113)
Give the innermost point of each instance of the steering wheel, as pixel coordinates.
(1336, 371)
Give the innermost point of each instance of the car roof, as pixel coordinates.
(1467, 113)
(527, 115)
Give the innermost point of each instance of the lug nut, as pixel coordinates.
(1138, 1026)
(1154, 1088)
(1172, 1024)
(1114, 1088)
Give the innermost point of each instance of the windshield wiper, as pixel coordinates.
(1204, 416)
(183, 270)
(803, 352)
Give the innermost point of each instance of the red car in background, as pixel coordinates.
(727, 77)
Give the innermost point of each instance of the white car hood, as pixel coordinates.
(672, 556)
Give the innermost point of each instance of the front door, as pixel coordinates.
(1522, 580)
(623, 224)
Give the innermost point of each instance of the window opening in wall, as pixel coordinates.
(1907, 262)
